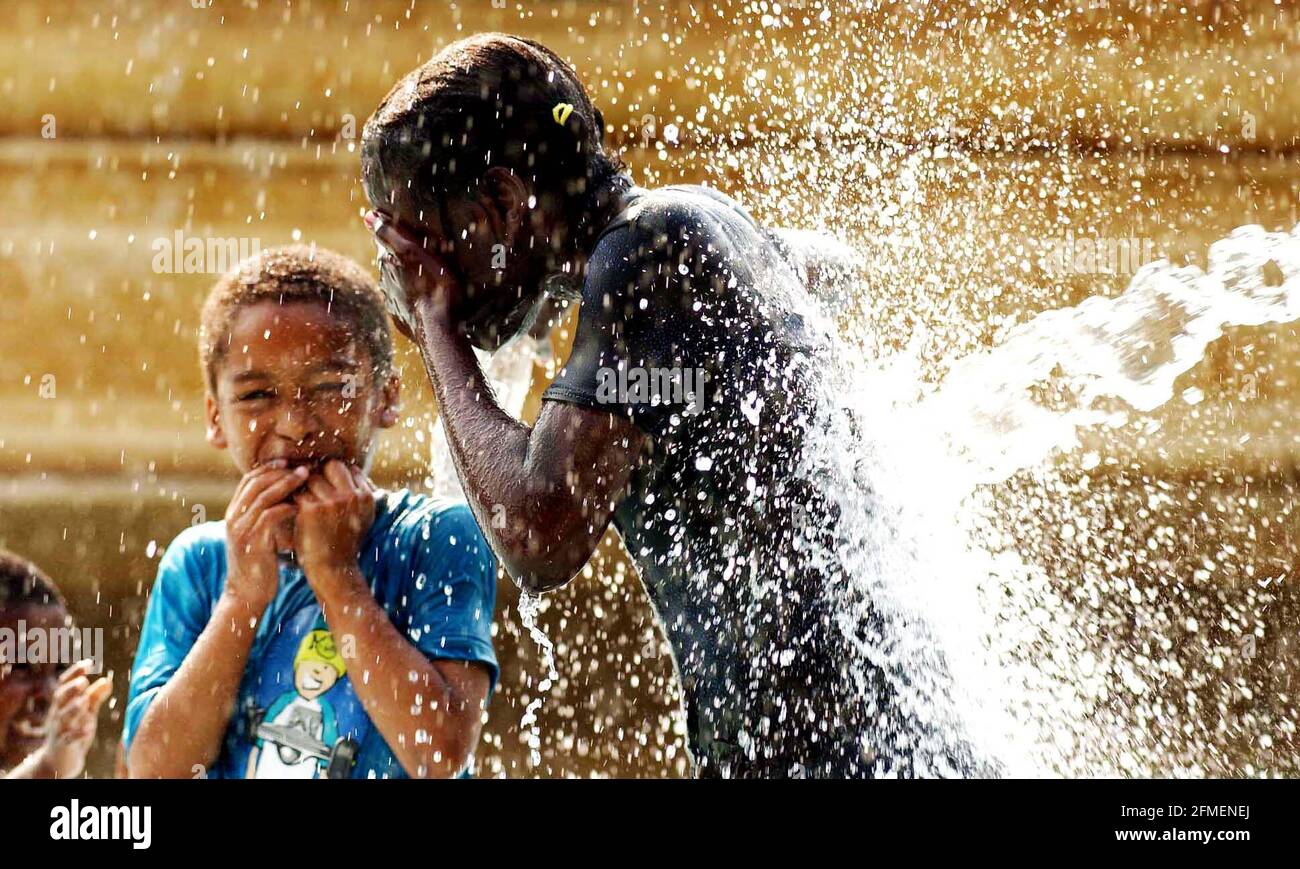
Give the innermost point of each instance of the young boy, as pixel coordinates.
(324, 629)
(48, 710)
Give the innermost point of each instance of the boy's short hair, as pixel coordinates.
(23, 584)
(297, 273)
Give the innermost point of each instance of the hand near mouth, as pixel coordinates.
(335, 509)
(257, 523)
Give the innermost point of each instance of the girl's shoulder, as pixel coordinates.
(683, 200)
(677, 212)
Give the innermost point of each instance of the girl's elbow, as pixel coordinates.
(536, 567)
(540, 575)
(545, 553)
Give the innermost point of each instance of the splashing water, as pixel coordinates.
(1027, 672)
(1131, 347)
(1069, 614)
(945, 492)
(509, 372)
(529, 606)
(978, 644)
(1057, 576)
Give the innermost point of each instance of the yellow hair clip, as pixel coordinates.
(561, 113)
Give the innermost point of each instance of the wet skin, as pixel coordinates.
(48, 711)
(558, 481)
(298, 406)
(26, 690)
(496, 250)
(294, 387)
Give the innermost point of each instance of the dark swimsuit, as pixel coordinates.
(684, 284)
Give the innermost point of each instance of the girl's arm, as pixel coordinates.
(555, 485)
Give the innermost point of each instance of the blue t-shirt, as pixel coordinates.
(297, 715)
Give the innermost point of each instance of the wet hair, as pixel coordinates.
(297, 273)
(23, 584)
(491, 100)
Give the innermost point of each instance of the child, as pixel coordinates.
(324, 629)
(696, 379)
(48, 710)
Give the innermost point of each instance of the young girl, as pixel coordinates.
(680, 414)
(48, 710)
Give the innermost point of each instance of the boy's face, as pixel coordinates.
(26, 690)
(294, 384)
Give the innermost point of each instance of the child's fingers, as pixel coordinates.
(80, 668)
(68, 692)
(337, 473)
(78, 728)
(277, 490)
(261, 474)
(384, 229)
(268, 521)
(402, 244)
(270, 492)
(84, 732)
(66, 713)
(255, 474)
(389, 237)
(362, 482)
(77, 678)
(100, 691)
(320, 487)
(240, 501)
(74, 715)
(260, 482)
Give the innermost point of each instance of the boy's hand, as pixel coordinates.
(335, 510)
(73, 719)
(256, 529)
(409, 273)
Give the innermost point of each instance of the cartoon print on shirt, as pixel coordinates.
(297, 736)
